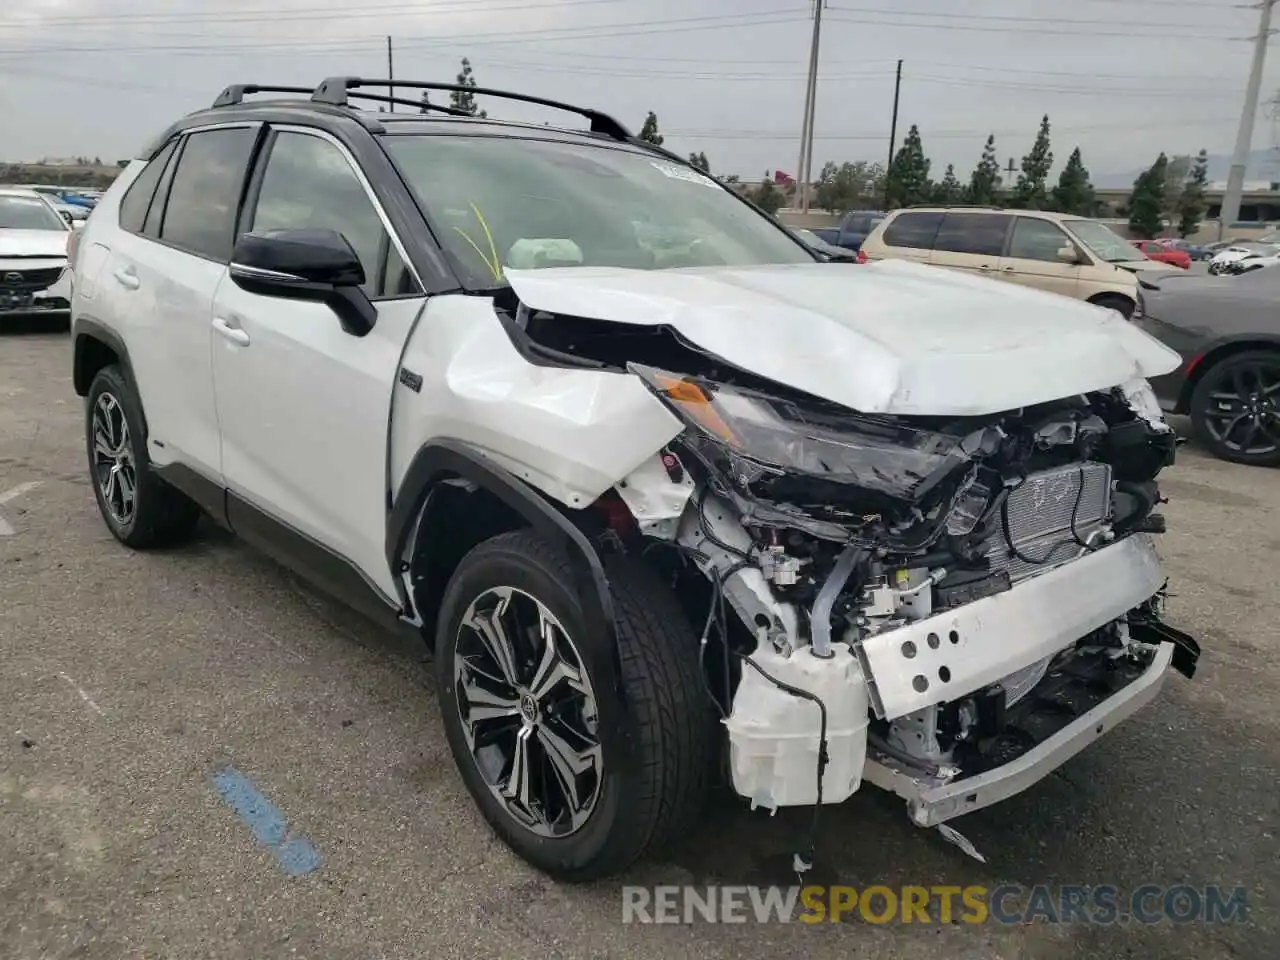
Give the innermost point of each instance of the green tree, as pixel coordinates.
(426, 102)
(907, 181)
(948, 190)
(650, 130)
(984, 182)
(699, 160)
(1175, 179)
(849, 186)
(1147, 200)
(1031, 192)
(1074, 192)
(767, 196)
(1191, 204)
(464, 99)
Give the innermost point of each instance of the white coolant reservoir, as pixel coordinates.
(773, 735)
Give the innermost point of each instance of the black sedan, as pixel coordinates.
(1227, 330)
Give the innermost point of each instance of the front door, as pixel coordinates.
(305, 407)
(1035, 257)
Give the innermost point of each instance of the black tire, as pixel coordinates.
(1114, 301)
(1213, 412)
(160, 515)
(659, 795)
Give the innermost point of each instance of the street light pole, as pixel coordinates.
(1230, 211)
(391, 74)
(810, 98)
(893, 132)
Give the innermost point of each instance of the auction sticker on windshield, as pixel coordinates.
(676, 172)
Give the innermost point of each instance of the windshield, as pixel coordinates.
(498, 203)
(28, 213)
(1105, 243)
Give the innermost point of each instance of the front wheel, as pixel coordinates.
(1235, 408)
(521, 709)
(1114, 301)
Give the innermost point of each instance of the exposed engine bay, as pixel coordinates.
(919, 601)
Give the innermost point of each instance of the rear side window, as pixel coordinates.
(200, 215)
(916, 230)
(975, 233)
(137, 199)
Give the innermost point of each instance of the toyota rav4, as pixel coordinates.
(669, 498)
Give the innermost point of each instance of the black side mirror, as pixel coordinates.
(66, 215)
(316, 265)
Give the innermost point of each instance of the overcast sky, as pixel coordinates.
(1123, 79)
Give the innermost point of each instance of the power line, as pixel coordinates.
(1091, 34)
(716, 22)
(969, 17)
(927, 135)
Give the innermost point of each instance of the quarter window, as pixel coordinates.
(309, 185)
(200, 215)
(973, 233)
(137, 199)
(914, 230)
(1037, 240)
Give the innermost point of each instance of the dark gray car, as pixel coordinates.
(1227, 330)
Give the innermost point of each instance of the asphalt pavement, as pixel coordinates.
(131, 682)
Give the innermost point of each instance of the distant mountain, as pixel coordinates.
(1263, 165)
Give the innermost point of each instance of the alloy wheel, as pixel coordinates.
(113, 462)
(1243, 412)
(528, 711)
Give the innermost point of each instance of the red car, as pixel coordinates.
(1157, 251)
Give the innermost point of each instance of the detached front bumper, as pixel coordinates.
(934, 801)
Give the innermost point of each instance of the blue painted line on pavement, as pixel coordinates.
(295, 854)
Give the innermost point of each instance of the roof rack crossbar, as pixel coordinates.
(335, 91)
(406, 102)
(236, 93)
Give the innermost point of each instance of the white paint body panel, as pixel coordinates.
(304, 409)
(571, 433)
(891, 337)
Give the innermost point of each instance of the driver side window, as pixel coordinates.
(308, 184)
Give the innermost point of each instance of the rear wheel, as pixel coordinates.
(139, 508)
(521, 708)
(1235, 408)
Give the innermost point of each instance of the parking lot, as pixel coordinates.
(128, 680)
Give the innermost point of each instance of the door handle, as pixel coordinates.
(127, 278)
(234, 334)
(986, 268)
(1010, 269)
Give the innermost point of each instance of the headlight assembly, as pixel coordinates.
(758, 435)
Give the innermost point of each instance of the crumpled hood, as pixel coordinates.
(33, 243)
(891, 337)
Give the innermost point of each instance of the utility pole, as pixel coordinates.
(893, 133)
(391, 75)
(1244, 137)
(810, 98)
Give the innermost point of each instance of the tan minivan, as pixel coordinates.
(1058, 252)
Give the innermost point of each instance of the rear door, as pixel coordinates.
(972, 242)
(907, 236)
(1034, 257)
(162, 277)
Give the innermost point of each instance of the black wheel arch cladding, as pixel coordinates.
(443, 460)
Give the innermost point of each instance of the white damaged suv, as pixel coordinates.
(670, 499)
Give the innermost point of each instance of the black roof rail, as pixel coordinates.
(236, 93)
(335, 91)
(406, 102)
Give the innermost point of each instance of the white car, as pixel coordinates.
(739, 513)
(1252, 261)
(1225, 258)
(33, 256)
